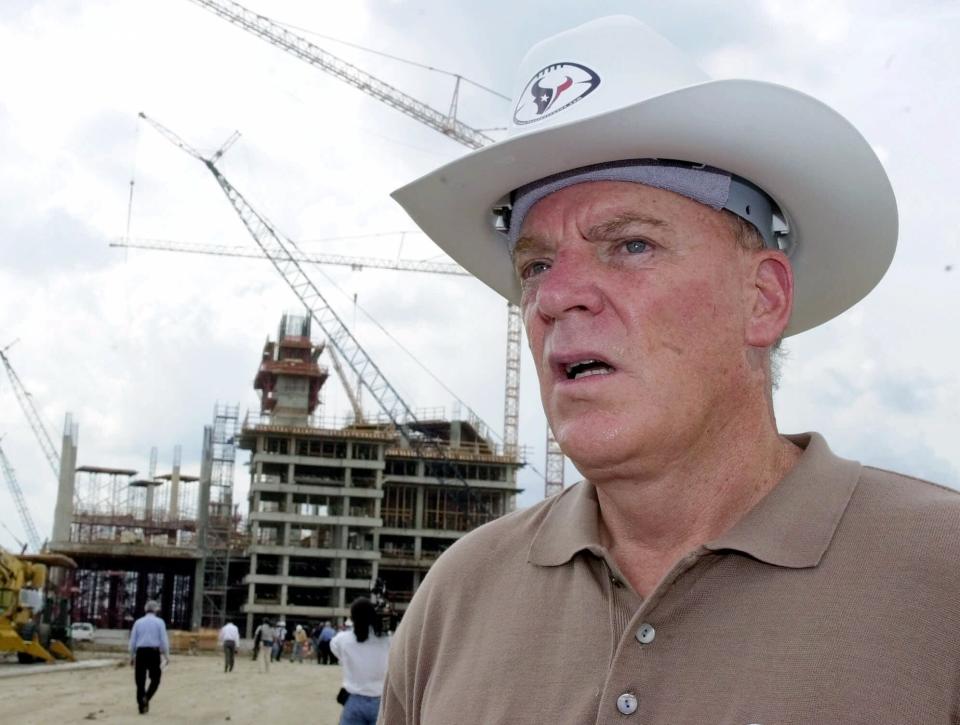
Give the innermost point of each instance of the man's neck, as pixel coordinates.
(652, 519)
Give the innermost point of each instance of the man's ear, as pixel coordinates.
(770, 299)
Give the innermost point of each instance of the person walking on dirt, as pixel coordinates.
(148, 643)
(267, 635)
(229, 637)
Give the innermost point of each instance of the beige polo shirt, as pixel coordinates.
(835, 600)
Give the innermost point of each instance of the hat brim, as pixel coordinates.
(824, 175)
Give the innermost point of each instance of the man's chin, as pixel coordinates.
(595, 442)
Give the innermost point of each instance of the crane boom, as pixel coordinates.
(316, 56)
(351, 393)
(33, 417)
(335, 259)
(32, 536)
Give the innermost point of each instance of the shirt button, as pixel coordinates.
(646, 633)
(627, 703)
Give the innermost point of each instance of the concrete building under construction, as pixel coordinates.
(174, 538)
(334, 507)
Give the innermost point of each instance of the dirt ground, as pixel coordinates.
(192, 690)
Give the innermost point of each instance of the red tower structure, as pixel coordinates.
(289, 378)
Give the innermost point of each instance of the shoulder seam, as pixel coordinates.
(907, 476)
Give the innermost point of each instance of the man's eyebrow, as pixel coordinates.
(527, 245)
(614, 226)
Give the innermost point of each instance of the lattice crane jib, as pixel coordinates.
(276, 34)
(33, 417)
(15, 491)
(404, 265)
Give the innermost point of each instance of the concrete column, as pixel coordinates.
(418, 512)
(63, 511)
(148, 507)
(455, 433)
(174, 507)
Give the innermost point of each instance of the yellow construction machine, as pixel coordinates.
(23, 578)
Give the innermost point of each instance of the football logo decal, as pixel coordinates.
(552, 89)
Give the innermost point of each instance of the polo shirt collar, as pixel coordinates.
(792, 526)
(571, 525)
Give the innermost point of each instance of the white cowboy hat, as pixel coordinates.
(614, 89)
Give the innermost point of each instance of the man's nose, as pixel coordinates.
(570, 286)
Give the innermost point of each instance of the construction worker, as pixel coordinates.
(661, 232)
(148, 644)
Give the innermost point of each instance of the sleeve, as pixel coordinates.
(392, 709)
(335, 645)
(164, 641)
(133, 638)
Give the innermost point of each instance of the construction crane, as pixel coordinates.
(449, 126)
(33, 417)
(279, 251)
(33, 538)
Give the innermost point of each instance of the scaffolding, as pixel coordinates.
(218, 531)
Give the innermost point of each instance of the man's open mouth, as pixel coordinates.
(586, 368)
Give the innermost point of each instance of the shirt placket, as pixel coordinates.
(623, 697)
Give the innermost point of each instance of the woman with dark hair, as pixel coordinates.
(363, 655)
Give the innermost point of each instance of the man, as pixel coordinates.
(229, 638)
(326, 635)
(267, 635)
(278, 640)
(256, 643)
(299, 642)
(662, 232)
(148, 643)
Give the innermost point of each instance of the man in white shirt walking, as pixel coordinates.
(229, 637)
(148, 642)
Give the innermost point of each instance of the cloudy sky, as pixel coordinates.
(139, 345)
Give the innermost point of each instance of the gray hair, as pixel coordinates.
(151, 606)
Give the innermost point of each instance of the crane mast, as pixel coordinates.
(32, 536)
(447, 124)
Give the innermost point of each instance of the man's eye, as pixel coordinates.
(636, 246)
(533, 269)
